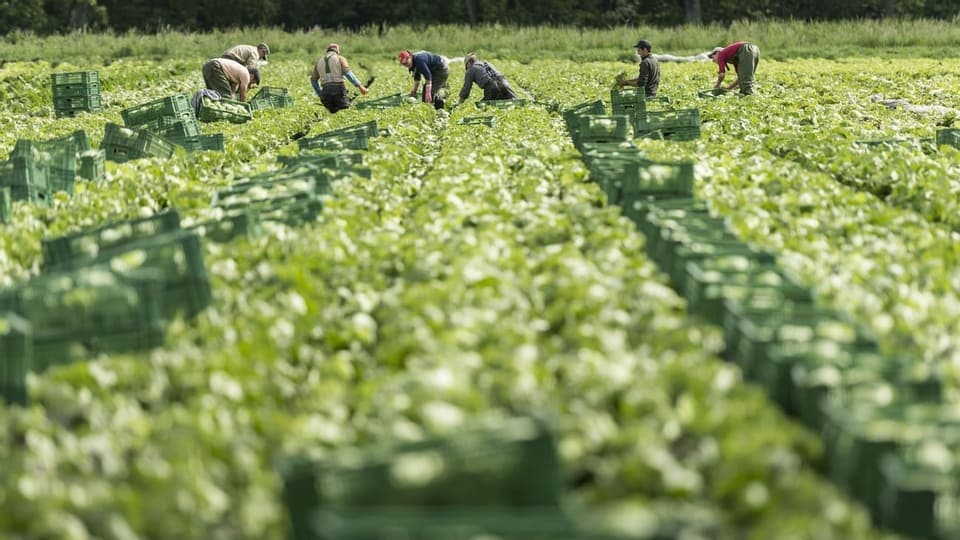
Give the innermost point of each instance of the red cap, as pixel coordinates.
(402, 57)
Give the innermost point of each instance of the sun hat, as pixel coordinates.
(403, 56)
(264, 48)
(643, 44)
(715, 50)
(333, 47)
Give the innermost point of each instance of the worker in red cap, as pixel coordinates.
(327, 79)
(433, 68)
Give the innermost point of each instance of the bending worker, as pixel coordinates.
(744, 57)
(230, 79)
(434, 68)
(327, 79)
(494, 85)
(247, 55)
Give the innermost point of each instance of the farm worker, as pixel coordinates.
(744, 57)
(231, 79)
(649, 77)
(248, 55)
(327, 79)
(494, 85)
(432, 67)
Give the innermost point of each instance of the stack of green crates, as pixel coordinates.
(292, 200)
(394, 100)
(5, 205)
(271, 97)
(123, 144)
(16, 357)
(628, 100)
(26, 179)
(168, 117)
(75, 92)
(59, 157)
(571, 115)
(79, 313)
(676, 124)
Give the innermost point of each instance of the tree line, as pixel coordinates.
(59, 16)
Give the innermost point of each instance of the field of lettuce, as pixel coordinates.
(477, 275)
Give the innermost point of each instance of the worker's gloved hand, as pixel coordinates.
(427, 95)
(363, 89)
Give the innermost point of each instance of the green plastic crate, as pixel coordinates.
(478, 120)
(292, 210)
(501, 103)
(212, 142)
(75, 77)
(677, 118)
(394, 100)
(5, 204)
(16, 357)
(78, 249)
(235, 112)
(628, 100)
(353, 139)
(75, 90)
(92, 165)
(571, 115)
(919, 497)
(178, 257)
(181, 125)
(257, 190)
(370, 128)
(124, 143)
(151, 111)
(712, 93)
(707, 282)
(70, 106)
(511, 463)
(83, 308)
(26, 177)
(271, 97)
(59, 156)
(949, 137)
(229, 225)
(603, 128)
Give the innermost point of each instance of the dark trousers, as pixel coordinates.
(496, 90)
(334, 97)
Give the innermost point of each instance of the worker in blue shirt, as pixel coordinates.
(433, 68)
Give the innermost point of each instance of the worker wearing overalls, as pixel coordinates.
(327, 80)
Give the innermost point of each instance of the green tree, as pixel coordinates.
(21, 15)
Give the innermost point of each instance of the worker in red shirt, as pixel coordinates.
(744, 57)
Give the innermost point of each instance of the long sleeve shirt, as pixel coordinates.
(481, 73)
(649, 77)
(424, 63)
